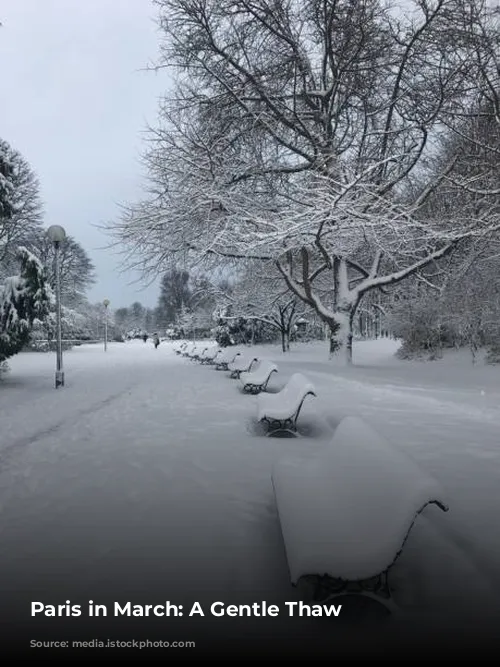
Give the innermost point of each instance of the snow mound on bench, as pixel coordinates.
(347, 512)
(260, 374)
(212, 351)
(242, 363)
(228, 355)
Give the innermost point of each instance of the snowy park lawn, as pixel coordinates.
(147, 471)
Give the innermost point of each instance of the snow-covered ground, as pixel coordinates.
(146, 476)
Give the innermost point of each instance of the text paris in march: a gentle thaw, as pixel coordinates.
(218, 609)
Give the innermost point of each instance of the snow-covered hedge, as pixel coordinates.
(38, 345)
(493, 355)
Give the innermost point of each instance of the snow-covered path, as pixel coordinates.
(138, 480)
(145, 478)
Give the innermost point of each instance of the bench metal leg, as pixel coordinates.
(289, 425)
(369, 599)
(252, 389)
(264, 386)
(257, 388)
(281, 426)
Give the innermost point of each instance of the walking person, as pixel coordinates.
(156, 340)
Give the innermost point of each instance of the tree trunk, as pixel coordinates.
(341, 338)
(285, 331)
(283, 339)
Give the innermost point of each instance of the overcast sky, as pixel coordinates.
(75, 104)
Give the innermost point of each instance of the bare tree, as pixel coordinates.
(175, 291)
(76, 268)
(260, 294)
(296, 134)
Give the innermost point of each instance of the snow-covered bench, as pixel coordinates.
(188, 349)
(193, 352)
(179, 348)
(346, 516)
(280, 411)
(226, 358)
(210, 354)
(241, 365)
(257, 380)
(198, 352)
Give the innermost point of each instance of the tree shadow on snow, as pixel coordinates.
(332, 420)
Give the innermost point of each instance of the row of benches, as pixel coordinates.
(280, 411)
(346, 513)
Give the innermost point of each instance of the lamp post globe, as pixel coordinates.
(57, 235)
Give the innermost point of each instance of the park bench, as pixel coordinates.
(280, 411)
(188, 349)
(257, 380)
(346, 515)
(210, 354)
(198, 351)
(226, 358)
(179, 349)
(241, 365)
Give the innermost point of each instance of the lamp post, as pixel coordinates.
(57, 235)
(106, 303)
